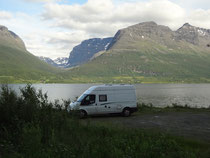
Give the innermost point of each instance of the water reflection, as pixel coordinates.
(195, 95)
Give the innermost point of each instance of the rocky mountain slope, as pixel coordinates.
(86, 50)
(9, 38)
(61, 61)
(81, 53)
(194, 35)
(151, 32)
(148, 52)
(17, 64)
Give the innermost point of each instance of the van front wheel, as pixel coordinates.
(126, 112)
(82, 114)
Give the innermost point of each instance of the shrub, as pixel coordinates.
(32, 127)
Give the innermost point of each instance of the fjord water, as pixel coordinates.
(194, 95)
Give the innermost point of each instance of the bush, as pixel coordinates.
(31, 108)
(32, 127)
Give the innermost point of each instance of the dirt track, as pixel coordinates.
(187, 124)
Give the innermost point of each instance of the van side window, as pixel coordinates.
(89, 99)
(102, 98)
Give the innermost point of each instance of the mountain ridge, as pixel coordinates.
(142, 53)
(17, 65)
(58, 62)
(194, 35)
(8, 37)
(148, 52)
(83, 52)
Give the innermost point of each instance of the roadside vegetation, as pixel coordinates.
(33, 127)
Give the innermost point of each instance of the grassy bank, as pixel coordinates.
(64, 78)
(31, 126)
(132, 79)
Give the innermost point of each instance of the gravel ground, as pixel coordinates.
(187, 124)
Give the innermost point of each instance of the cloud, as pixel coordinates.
(40, 1)
(5, 15)
(60, 27)
(193, 4)
(39, 38)
(53, 43)
(104, 18)
(67, 38)
(200, 17)
(43, 47)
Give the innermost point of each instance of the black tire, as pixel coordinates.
(82, 114)
(126, 112)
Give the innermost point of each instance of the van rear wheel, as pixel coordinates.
(126, 112)
(82, 114)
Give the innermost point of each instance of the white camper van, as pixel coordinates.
(106, 99)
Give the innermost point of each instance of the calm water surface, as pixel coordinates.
(195, 95)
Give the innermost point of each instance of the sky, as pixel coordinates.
(51, 28)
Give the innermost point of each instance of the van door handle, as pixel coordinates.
(96, 104)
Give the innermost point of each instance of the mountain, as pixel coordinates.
(86, 50)
(18, 65)
(61, 61)
(194, 35)
(47, 60)
(81, 53)
(142, 53)
(58, 62)
(148, 52)
(8, 37)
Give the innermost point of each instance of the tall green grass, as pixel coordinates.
(33, 127)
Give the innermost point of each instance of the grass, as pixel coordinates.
(32, 127)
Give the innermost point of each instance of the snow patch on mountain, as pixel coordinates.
(58, 62)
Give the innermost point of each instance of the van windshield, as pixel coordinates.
(81, 97)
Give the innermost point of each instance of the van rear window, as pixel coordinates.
(102, 98)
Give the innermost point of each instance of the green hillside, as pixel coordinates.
(148, 53)
(17, 65)
(145, 66)
(143, 53)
